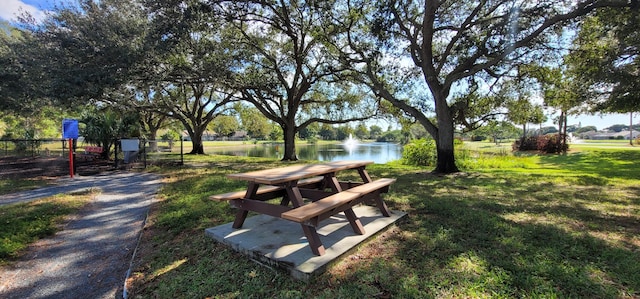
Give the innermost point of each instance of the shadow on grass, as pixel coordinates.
(468, 235)
(470, 243)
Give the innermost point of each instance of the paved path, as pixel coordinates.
(90, 257)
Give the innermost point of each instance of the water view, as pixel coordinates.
(379, 152)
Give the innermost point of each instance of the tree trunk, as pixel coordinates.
(564, 134)
(289, 143)
(196, 141)
(446, 162)
(153, 144)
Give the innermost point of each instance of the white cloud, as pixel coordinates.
(11, 9)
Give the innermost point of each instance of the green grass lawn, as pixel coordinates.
(21, 224)
(521, 226)
(16, 185)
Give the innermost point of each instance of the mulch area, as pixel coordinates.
(48, 167)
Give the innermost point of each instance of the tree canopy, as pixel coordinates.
(327, 62)
(449, 49)
(290, 75)
(606, 59)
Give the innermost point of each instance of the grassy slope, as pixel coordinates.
(553, 226)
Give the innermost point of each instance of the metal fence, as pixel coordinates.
(33, 147)
(150, 152)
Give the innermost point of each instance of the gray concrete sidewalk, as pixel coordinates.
(90, 257)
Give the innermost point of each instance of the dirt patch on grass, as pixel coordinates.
(47, 168)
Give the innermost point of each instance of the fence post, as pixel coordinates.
(115, 154)
(144, 152)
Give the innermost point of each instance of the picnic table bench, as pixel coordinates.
(310, 194)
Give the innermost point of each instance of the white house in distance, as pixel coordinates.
(610, 135)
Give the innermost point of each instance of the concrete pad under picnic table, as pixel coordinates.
(282, 244)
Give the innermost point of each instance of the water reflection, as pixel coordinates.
(379, 152)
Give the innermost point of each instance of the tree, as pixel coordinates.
(256, 124)
(225, 125)
(151, 120)
(375, 132)
(44, 123)
(291, 75)
(310, 132)
(191, 64)
(498, 130)
(118, 52)
(586, 129)
(361, 131)
(455, 48)
(523, 112)
(617, 128)
(89, 49)
(343, 132)
(561, 91)
(327, 132)
(606, 59)
(21, 72)
(549, 130)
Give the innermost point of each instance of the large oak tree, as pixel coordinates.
(448, 48)
(290, 75)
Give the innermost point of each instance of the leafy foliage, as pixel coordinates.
(449, 44)
(290, 75)
(103, 128)
(552, 144)
(419, 152)
(548, 143)
(607, 59)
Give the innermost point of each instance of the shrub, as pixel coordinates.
(419, 152)
(550, 144)
(526, 144)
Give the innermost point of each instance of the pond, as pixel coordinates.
(378, 152)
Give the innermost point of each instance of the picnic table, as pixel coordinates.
(309, 194)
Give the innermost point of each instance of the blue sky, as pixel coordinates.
(602, 122)
(10, 8)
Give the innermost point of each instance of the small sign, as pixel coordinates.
(130, 145)
(70, 129)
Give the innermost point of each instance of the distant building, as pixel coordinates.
(614, 135)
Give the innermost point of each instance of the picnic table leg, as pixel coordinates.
(332, 182)
(241, 214)
(364, 174)
(314, 240)
(285, 200)
(356, 225)
(294, 195)
(382, 206)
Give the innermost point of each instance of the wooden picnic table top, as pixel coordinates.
(276, 176)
